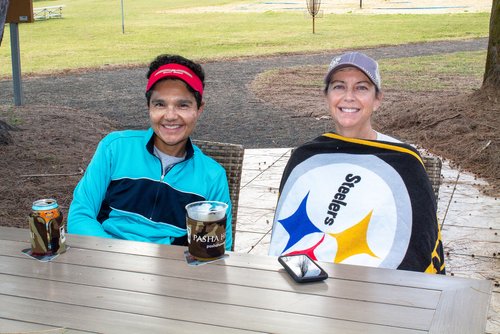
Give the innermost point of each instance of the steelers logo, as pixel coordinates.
(344, 208)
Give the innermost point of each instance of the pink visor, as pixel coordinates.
(177, 71)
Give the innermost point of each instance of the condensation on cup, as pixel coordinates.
(206, 229)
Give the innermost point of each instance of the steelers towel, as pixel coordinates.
(358, 202)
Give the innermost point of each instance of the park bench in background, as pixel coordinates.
(50, 12)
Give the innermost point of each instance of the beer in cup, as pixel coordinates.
(206, 229)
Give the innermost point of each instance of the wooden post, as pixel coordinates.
(19, 11)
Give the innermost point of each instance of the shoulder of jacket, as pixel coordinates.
(124, 135)
(210, 162)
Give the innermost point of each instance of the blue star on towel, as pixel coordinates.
(298, 225)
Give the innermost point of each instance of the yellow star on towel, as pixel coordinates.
(353, 240)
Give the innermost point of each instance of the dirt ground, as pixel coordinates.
(45, 161)
(47, 146)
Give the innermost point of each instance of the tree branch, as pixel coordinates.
(80, 172)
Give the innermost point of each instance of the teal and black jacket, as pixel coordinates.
(124, 194)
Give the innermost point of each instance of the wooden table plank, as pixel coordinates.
(268, 319)
(97, 320)
(175, 270)
(456, 302)
(348, 272)
(8, 326)
(143, 283)
(260, 301)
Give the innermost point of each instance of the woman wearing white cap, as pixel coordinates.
(356, 196)
(353, 93)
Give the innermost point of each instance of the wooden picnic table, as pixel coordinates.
(115, 286)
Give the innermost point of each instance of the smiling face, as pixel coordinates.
(351, 99)
(173, 114)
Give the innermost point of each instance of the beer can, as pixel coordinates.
(46, 228)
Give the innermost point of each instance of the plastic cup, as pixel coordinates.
(206, 229)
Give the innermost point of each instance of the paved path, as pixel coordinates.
(117, 94)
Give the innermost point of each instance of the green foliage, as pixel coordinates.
(90, 33)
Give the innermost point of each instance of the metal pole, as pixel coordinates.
(16, 63)
(123, 19)
(360, 4)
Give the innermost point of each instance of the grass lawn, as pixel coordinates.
(90, 33)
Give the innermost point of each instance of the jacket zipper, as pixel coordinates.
(163, 175)
(153, 208)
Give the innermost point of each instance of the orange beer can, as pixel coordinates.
(46, 228)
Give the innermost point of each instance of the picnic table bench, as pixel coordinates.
(50, 12)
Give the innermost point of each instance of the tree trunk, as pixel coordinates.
(492, 70)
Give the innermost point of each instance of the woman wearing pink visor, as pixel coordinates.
(139, 181)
